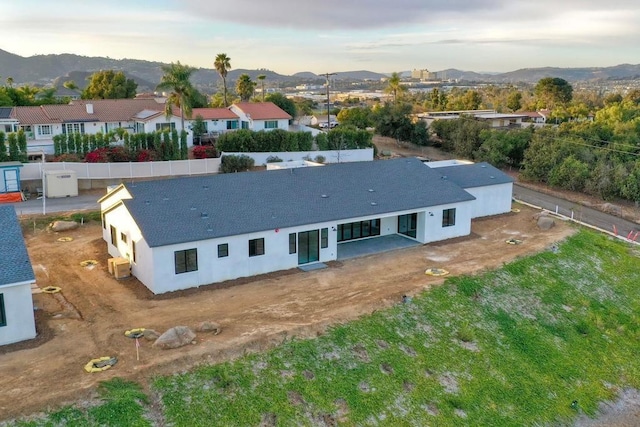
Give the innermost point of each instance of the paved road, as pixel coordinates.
(581, 213)
(84, 201)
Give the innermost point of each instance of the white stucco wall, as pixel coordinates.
(18, 307)
(212, 269)
(491, 200)
(433, 230)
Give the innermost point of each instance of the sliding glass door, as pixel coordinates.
(308, 249)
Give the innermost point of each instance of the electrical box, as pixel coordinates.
(62, 183)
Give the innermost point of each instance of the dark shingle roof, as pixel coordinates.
(474, 175)
(16, 266)
(171, 211)
(5, 112)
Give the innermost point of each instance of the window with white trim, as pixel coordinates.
(271, 124)
(44, 129)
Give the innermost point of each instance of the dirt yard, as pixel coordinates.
(89, 317)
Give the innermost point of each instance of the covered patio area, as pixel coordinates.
(363, 247)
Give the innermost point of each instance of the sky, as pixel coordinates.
(289, 36)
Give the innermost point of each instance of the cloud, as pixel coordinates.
(333, 14)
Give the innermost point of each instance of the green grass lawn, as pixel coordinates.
(515, 346)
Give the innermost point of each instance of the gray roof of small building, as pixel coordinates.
(474, 175)
(16, 266)
(171, 211)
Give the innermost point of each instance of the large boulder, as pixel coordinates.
(178, 336)
(208, 326)
(64, 225)
(545, 223)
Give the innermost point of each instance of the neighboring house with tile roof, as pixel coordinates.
(42, 123)
(188, 232)
(257, 116)
(16, 277)
(216, 120)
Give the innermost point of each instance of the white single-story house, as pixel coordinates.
(259, 116)
(16, 277)
(492, 189)
(187, 232)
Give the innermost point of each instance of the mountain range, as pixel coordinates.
(55, 69)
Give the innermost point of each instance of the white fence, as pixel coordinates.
(129, 170)
(332, 156)
(31, 171)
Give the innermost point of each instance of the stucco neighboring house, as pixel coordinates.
(216, 120)
(42, 123)
(16, 277)
(257, 116)
(500, 120)
(187, 232)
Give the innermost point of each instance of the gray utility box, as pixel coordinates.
(62, 183)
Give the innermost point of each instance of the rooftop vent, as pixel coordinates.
(374, 204)
(146, 202)
(370, 190)
(193, 208)
(492, 177)
(165, 198)
(324, 196)
(204, 215)
(443, 177)
(205, 187)
(483, 166)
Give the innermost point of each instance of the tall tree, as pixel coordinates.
(552, 91)
(107, 84)
(177, 79)
(283, 102)
(394, 86)
(222, 65)
(10, 81)
(261, 77)
(245, 87)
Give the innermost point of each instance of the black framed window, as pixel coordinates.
(256, 247)
(186, 261)
(123, 237)
(358, 230)
(449, 217)
(3, 315)
(223, 250)
(114, 234)
(324, 238)
(133, 249)
(292, 243)
(408, 224)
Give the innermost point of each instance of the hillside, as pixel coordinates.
(45, 69)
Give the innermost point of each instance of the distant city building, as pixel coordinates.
(424, 75)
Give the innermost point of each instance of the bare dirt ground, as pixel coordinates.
(88, 319)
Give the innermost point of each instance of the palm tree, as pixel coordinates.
(261, 77)
(10, 81)
(176, 78)
(222, 65)
(245, 87)
(394, 86)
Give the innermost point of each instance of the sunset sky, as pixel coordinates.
(288, 36)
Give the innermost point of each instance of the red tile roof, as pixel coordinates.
(263, 110)
(104, 110)
(213, 113)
